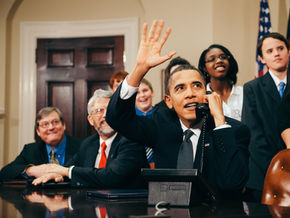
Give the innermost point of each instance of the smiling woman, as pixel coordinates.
(220, 69)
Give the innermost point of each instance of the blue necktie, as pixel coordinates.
(281, 88)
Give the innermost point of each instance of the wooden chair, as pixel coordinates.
(277, 181)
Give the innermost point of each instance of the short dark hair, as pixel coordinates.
(146, 82)
(273, 35)
(43, 112)
(180, 68)
(175, 61)
(233, 65)
(117, 75)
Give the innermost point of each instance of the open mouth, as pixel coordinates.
(220, 67)
(190, 105)
(143, 100)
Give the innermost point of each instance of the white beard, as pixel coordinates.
(106, 131)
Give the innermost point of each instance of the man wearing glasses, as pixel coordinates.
(55, 147)
(105, 159)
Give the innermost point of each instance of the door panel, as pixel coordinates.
(70, 70)
(61, 95)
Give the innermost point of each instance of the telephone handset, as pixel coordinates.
(202, 110)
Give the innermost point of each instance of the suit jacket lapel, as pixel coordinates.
(43, 153)
(270, 87)
(68, 154)
(113, 149)
(93, 152)
(201, 158)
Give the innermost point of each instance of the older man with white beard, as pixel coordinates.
(105, 159)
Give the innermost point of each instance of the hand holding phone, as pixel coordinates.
(215, 104)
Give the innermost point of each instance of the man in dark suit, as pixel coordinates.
(105, 159)
(260, 108)
(218, 146)
(50, 127)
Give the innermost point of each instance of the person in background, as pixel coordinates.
(262, 97)
(55, 147)
(116, 79)
(143, 107)
(220, 70)
(106, 159)
(182, 139)
(144, 98)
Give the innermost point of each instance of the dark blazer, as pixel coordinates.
(124, 163)
(226, 151)
(36, 154)
(260, 108)
(284, 108)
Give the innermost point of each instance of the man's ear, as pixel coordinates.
(168, 101)
(64, 126)
(37, 131)
(262, 60)
(90, 119)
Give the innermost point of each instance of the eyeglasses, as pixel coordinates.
(99, 111)
(45, 125)
(222, 57)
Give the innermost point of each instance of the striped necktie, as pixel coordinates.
(149, 156)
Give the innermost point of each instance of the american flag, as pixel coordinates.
(264, 29)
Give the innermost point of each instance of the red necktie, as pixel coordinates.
(103, 160)
(103, 210)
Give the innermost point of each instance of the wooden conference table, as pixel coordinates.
(67, 202)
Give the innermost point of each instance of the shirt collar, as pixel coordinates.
(233, 91)
(196, 128)
(141, 113)
(60, 149)
(276, 79)
(108, 141)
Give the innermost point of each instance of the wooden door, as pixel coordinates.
(70, 70)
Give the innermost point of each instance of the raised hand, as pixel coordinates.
(149, 51)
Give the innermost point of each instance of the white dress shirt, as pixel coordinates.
(233, 107)
(277, 80)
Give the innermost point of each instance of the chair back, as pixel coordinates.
(277, 181)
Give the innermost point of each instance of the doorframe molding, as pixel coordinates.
(31, 31)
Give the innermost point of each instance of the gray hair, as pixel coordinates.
(99, 93)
